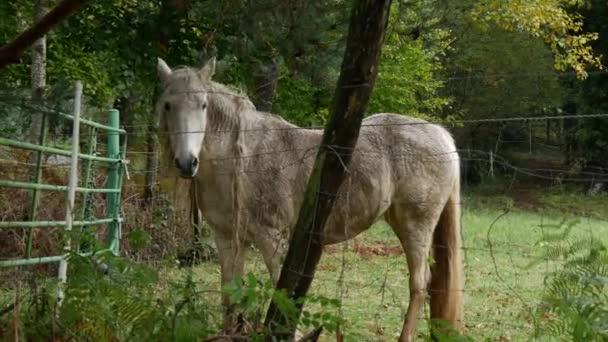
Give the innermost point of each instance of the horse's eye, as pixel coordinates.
(204, 105)
(167, 106)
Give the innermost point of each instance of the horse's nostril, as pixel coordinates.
(187, 166)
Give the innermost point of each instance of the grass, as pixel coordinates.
(500, 291)
(369, 275)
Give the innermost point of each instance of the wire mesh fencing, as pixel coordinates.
(517, 193)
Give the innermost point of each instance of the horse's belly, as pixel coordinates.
(356, 212)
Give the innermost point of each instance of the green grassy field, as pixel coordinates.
(369, 275)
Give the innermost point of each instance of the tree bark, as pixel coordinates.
(11, 53)
(38, 72)
(357, 76)
(38, 80)
(151, 165)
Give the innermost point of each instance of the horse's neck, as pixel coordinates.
(232, 120)
(223, 114)
(219, 131)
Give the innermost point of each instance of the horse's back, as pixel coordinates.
(409, 132)
(409, 144)
(422, 156)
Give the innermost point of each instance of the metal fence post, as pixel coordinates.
(86, 183)
(72, 185)
(113, 199)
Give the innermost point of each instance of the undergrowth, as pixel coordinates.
(575, 300)
(120, 304)
(109, 298)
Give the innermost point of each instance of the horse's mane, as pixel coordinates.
(190, 74)
(229, 99)
(241, 96)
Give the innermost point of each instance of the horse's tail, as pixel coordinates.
(446, 286)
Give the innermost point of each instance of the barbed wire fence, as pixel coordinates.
(369, 273)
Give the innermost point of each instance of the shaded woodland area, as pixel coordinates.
(521, 85)
(442, 60)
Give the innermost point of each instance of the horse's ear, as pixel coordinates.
(163, 70)
(208, 70)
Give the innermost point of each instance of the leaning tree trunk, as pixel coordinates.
(358, 73)
(12, 51)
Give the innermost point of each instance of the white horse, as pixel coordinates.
(251, 170)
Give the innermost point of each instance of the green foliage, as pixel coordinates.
(411, 62)
(13, 123)
(406, 81)
(138, 239)
(499, 73)
(110, 298)
(592, 138)
(495, 73)
(549, 20)
(16, 16)
(589, 137)
(443, 332)
(123, 304)
(301, 102)
(575, 302)
(251, 296)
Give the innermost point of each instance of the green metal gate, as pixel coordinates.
(116, 151)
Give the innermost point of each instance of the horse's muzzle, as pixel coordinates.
(187, 166)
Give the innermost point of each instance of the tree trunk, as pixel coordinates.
(357, 76)
(151, 165)
(38, 72)
(569, 128)
(36, 133)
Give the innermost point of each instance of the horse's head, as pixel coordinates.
(183, 110)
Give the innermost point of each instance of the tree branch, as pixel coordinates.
(11, 53)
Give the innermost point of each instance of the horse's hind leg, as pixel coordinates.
(415, 234)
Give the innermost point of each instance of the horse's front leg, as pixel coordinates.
(232, 263)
